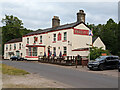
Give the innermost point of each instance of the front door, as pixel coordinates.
(17, 53)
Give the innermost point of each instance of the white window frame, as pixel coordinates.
(54, 37)
(65, 36)
(40, 39)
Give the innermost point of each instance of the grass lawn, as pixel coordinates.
(12, 70)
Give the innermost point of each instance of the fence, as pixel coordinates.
(64, 60)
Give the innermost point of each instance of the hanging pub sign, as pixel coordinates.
(81, 32)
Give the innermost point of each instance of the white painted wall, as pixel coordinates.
(6, 55)
(98, 43)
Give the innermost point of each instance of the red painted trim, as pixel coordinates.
(27, 44)
(81, 50)
(81, 32)
(64, 41)
(40, 43)
(34, 46)
(31, 56)
(48, 32)
(19, 49)
(54, 42)
(34, 43)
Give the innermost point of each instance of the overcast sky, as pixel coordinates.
(38, 15)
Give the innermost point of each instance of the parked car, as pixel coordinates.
(104, 62)
(119, 66)
(17, 58)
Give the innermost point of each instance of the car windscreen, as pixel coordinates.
(100, 58)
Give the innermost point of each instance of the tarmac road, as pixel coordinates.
(74, 78)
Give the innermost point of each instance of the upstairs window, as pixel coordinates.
(40, 39)
(65, 36)
(27, 40)
(10, 47)
(59, 36)
(54, 37)
(14, 46)
(19, 45)
(6, 47)
(35, 39)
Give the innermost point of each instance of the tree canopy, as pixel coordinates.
(109, 33)
(13, 28)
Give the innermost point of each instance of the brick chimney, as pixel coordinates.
(55, 21)
(81, 16)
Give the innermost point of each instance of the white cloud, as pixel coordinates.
(36, 14)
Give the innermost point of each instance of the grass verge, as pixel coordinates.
(12, 70)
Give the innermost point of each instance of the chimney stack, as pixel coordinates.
(55, 21)
(81, 16)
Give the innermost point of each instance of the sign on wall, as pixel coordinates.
(81, 32)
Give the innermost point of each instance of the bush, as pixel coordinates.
(96, 52)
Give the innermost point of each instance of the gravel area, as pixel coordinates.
(30, 81)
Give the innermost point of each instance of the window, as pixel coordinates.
(27, 40)
(35, 39)
(59, 36)
(40, 39)
(29, 52)
(65, 36)
(65, 50)
(10, 47)
(32, 51)
(6, 47)
(19, 45)
(54, 37)
(54, 50)
(14, 46)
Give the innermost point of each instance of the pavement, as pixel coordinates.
(76, 78)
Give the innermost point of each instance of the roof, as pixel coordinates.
(65, 26)
(93, 39)
(15, 40)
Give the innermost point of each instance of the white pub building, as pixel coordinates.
(69, 40)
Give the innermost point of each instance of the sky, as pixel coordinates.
(38, 14)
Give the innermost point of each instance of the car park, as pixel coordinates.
(17, 58)
(104, 62)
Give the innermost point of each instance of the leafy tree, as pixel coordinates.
(118, 38)
(13, 28)
(96, 52)
(109, 34)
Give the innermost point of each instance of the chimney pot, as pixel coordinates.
(81, 16)
(55, 21)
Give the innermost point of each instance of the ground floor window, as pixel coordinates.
(32, 51)
(54, 50)
(65, 50)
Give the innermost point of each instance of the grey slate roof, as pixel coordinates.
(55, 28)
(15, 40)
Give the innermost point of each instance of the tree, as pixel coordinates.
(96, 52)
(13, 28)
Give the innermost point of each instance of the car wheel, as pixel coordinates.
(101, 67)
(91, 68)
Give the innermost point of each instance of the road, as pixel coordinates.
(74, 78)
